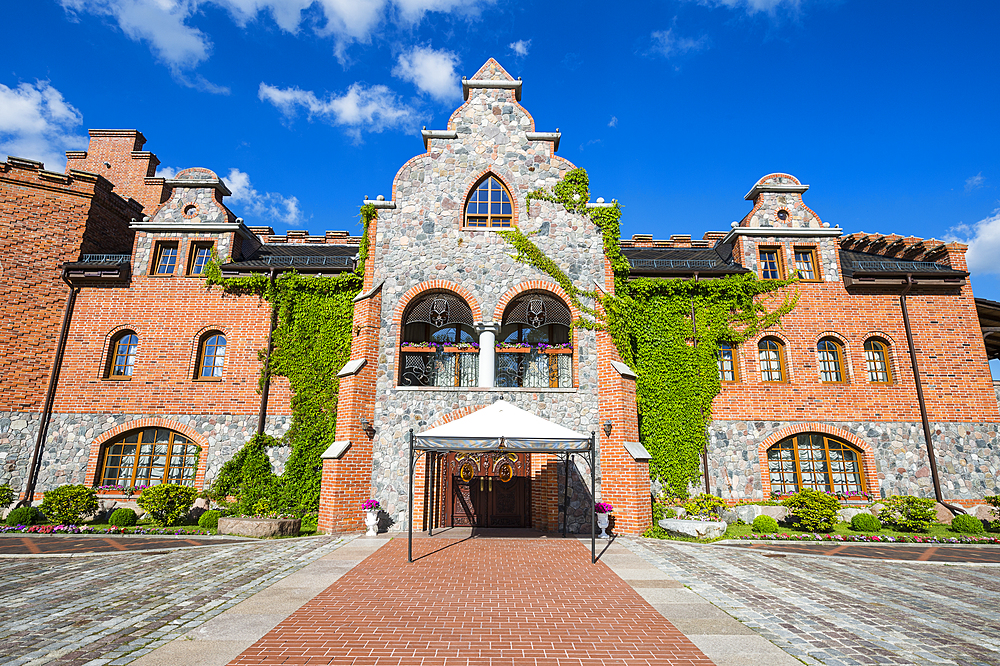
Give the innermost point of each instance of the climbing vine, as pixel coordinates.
(668, 331)
(312, 342)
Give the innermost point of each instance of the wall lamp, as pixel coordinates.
(607, 427)
(366, 425)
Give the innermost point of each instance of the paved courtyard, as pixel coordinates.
(834, 611)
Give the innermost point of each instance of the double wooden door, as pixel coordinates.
(487, 489)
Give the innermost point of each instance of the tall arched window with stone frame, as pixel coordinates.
(534, 348)
(490, 205)
(439, 346)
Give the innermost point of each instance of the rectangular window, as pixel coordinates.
(805, 264)
(727, 363)
(166, 259)
(770, 263)
(199, 255)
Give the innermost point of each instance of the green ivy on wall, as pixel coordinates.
(312, 342)
(668, 331)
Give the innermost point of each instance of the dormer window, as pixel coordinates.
(489, 205)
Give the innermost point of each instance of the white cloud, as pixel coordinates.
(431, 71)
(756, 6)
(974, 182)
(613, 122)
(983, 239)
(269, 206)
(166, 171)
(666, 43)
(412, 11)
(369, 109)
(38, 124)
(520, 47)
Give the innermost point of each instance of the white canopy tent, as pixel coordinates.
(504, 427)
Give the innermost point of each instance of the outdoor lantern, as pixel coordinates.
(607, 427)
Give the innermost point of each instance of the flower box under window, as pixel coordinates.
(419, 350)
(513, 350)
(556, 350)
(461, 350)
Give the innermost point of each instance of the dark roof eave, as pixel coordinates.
(917, 275)
(234, 269)
(681, 272)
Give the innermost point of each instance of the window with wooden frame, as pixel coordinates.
(814, 460)
(489, 205)
(770, 263)
(149, 457)
(831, 361)
(771, 353)
(877, 361)
(805, 264)
(121, 355)
(440, 345)
(726, 356)
(199, 254)
(211, 357)
(166, 258)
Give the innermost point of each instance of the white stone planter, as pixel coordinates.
(603, 520)
(371, 520)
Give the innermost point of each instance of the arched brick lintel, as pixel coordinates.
(437, 285)
(867, 452)
(150, 422)
(534, 285)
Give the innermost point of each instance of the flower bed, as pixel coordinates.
(86, 529)
(869, 538)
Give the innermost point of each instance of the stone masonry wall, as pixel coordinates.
(17, 439)
(968, 457)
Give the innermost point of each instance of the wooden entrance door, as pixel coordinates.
(488, 490)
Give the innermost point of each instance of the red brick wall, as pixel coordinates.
(131, 169)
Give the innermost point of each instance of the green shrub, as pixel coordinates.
(123, 517)
(68, 505)
(993, 501)
(209, 520)
(6, 496)
(812, 510)
(966, 524)
(764, 525)
(25, 515)
(167, 503)
(705, 505)
(310, 523)
(662, 510)
(865, 522)
(908, 514)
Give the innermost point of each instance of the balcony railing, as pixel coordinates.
(534, 369)
(439, 368)
(105, 259)
(283, 260)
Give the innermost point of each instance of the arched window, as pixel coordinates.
(148, 457)
(727, 363)
(439, 345)
(489, 205)
(121, 355)
(771, 353)
(831, 361)
(877, 361)
(211, 356)
(534, 347)
(817, 461)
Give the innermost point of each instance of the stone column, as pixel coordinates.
(487, 354)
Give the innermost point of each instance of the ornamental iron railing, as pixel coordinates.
(105, 259)
(282, 260)
(900, 266)
(440, 368)
(535, 369)
(673, 263)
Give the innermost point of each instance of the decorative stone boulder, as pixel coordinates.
(260, 528)
(729, 517)
(747, 512)
(846, 514)
(944, 515)
(699, 529)
(984, 512)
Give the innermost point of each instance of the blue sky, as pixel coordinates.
(887, 109)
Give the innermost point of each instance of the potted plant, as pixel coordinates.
(462, 347)
(513, 347)
(603, 511)
(371, 508)
(557, 348)
(419, 347)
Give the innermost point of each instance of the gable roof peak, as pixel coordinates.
(492, 71)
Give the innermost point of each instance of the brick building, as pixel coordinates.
(155, 377)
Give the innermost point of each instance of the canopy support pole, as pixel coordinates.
(565, 493)
(429, 509)
(409, 521)
(593, 495)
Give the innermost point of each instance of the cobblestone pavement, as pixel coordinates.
(50, 544)
(838, 611)
(899, 551)
(112, 609)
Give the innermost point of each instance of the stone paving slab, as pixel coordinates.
(483, 602)
(112, 609)
(838, 611)
(968, 554)
(62, 545)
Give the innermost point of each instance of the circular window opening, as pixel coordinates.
(190, 210)
(782, 215)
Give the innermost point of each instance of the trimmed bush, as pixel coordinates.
(209, 520)
(167, 503)
(705, 505)
(25, 515)
(67, 505)
(865, 522)
(764, 525)
(908, 514)
(123, 517)
(812, 510)
(6, 496)
(966, 524)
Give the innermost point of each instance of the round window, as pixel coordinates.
(782, 215)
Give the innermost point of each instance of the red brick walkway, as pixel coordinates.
(489, 602)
